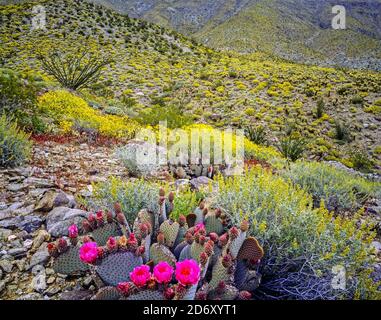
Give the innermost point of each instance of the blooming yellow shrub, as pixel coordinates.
(67, 109)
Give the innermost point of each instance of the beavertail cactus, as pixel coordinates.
(170, 230)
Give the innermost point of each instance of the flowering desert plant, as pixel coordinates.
(202, 256)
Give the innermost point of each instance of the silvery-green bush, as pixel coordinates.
(15, 146)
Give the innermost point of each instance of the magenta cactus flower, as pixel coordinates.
(73, 231)
(140, 275)
(89, 252)
(163, 272)
(187, 272)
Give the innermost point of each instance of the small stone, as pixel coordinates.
(27, 243)
(18, 252)
(52, 291)
(20, 264)
(5, 233)
(40, 257)
(77, 295)
(51, 280)
(40, 238)
(87, 281)
(6, 265)
(39, 282)
(377, 246)
(30, 296)
(49, 271)
(14, 187)
(37, 269)
(2, 286)
(1, 274)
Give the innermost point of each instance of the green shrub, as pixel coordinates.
(302, 245)
(361, 160)
(256, 135)
(292, 147)
(15, 146)
(173, 114)
(18, 94)
(320, 108)
(338, 189)
(342, 132)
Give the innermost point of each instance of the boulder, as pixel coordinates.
(52, 199)
(61, 218)
(142, 158)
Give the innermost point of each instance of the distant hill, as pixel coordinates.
(298, 30)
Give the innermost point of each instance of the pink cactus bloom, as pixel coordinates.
(187, 272)
(140, 275)
(124, 287)
(89, 252)
(198, 227)
(73, 231)
(163, 272)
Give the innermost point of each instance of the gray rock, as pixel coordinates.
(2, 286)
(41, 257)
(77, 295)
(52, 291)
(200, 182)
(38, 269)
(39, 282)
(52, 199)
(18, 252)
(30, 223)
(30, 296)
(39, 182)
(6, 265)
(1, 274)
(60, 219)
(14, 187)
(377, 246)
(11, 223)
(5, 233)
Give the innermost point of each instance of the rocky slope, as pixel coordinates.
(292, 29)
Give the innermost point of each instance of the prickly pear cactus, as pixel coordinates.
(235, 245)
(180, 235)
(240, 273)
(146, 295)
(250, 250)
(102, 234)
(179, 248)
(185, 253)
(199, 215)
(69, 262)
(107, 293)
(160, 253)
(190, 293)
(191, 220)
(196, 250)
(115, 267)
(170, 230)
(219, 273)
(213, 224)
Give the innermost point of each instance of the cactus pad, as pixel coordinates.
(196, 250)
(235, 245)
(185, 253)
(213, 224)
(146, 295)
(250, 250)
(102, 234)
(116, 267)
(170, 231)
(191, 220)
(240, 274)
(180, 235)
(107, 293)
(179, 248)
(219, 273)
(199, 215)
(160, 253)
(69, 262)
